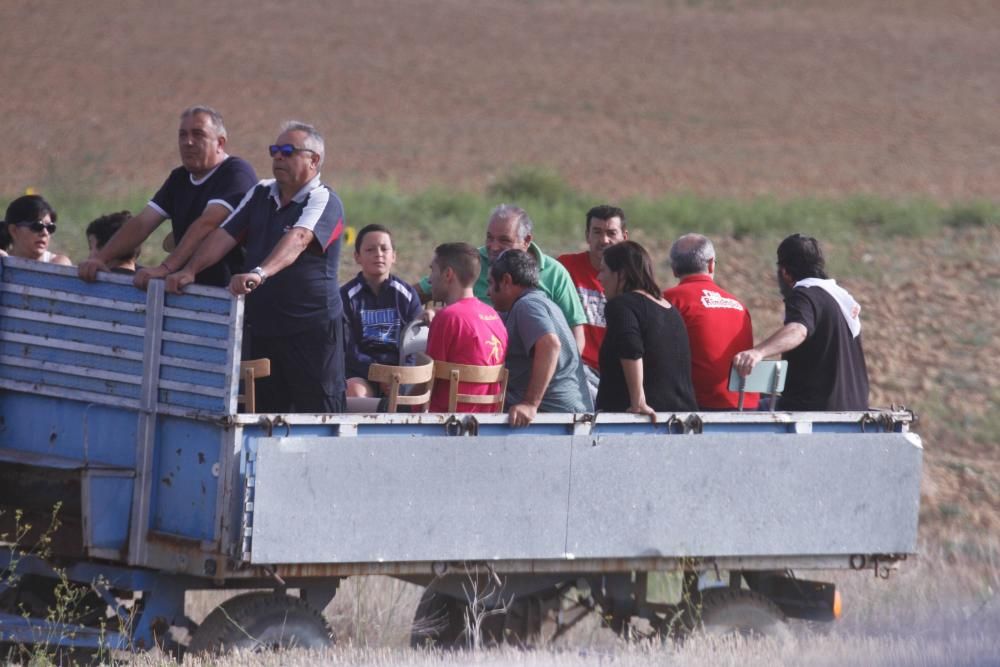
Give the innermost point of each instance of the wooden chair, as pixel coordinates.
(767, 377)
(456, 373)
(420, 375)
(250, 370)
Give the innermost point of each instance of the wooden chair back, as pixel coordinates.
(455, 373)
(250, 370)
(420, 377)
(767, 377)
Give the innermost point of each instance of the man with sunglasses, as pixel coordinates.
(291, 229)
(197, 197)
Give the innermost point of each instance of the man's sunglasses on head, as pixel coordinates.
(287, 150)
(38, 226)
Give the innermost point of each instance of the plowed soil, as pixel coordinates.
(895, 97)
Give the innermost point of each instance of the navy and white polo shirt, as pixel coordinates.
(373, 323)
(304, 294)
(183, 199)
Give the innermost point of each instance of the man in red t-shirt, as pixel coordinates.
(605, 227)
(466, 331)
(718, 324)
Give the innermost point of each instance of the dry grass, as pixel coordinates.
(942, 608)
(981, 650)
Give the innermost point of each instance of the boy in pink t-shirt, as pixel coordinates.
(466, 331)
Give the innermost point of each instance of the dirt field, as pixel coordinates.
(896, 97)
(718, 97)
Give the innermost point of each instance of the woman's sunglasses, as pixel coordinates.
(39, 226)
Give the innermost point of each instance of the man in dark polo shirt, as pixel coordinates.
(291, 228)
(197, 197)
(821, 337)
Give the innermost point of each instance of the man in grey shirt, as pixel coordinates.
(542, 357)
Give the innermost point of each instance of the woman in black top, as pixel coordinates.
(645, 359)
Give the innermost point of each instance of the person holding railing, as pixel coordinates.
(645, 357)
(291, 226)
(546, 373)
(197, 196)
(821, 336)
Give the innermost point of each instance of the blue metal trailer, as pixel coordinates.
(119, 407)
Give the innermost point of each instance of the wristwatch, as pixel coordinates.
(260, 272)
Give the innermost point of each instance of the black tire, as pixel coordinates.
(261, 621)
(519, 626)
(736, 611)
(440, 621)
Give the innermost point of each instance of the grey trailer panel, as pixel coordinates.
(746, 495)
(383, 500)
(380, 499)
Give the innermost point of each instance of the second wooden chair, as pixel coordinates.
(420, 376)
(456, 373)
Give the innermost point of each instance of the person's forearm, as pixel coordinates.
(543, 367)
(581, 340)
(633, 380)
(129, 236)
(210, 251)
(199, 230)
(784, 339)
(291, 245)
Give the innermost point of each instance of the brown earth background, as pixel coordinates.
(893, 98)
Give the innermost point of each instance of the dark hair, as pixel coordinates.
(5, 239)
(802, 257)
(367, 229)
(520, 265)
(632, 263)
(104, 227)
(461, 258)
(605, 212)
(29, 208)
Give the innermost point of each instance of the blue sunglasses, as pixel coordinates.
(287, 150)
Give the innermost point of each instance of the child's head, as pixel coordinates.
(374, 252)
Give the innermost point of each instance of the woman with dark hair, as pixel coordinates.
(31, 222)
(645, 359)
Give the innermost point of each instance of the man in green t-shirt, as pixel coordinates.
(509, 227)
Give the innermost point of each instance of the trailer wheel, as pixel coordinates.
(736, 611)
(260, 622)
(440, 621)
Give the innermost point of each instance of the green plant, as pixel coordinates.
(65, 606)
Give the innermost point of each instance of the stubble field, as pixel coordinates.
(896, 99)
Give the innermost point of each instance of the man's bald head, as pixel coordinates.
(691, 254)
